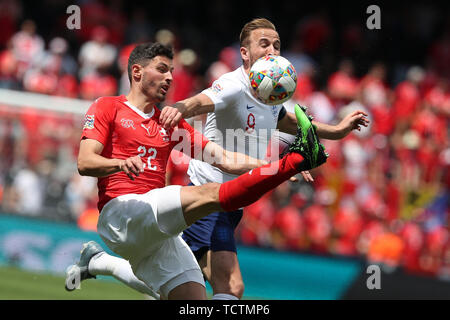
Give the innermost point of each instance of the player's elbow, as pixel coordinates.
(230, 168)
(225, 164)
(236, 165)
(81, 170)
(82, 167)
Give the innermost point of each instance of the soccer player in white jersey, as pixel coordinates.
(230, 105)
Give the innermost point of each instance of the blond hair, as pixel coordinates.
(258, 23)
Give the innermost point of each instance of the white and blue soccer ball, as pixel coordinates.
(273, 79)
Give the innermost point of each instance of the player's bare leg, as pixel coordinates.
(199, 201)
(226, 280)
(205, 264)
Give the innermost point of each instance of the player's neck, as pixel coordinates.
(140, 101)
(246, 68)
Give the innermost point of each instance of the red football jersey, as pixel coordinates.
(126, 131)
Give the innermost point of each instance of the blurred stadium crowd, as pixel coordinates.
(384, 192)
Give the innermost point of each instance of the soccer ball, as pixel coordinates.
(273, 79)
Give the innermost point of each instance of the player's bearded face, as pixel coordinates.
(157, 78)
(263, 42)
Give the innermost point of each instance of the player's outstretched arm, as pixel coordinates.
(228, 161)
(352, 121)
(91, 163)
(196, 105)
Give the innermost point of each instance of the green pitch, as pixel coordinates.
(16, 284)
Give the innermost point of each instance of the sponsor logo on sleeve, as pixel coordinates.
(89, 121)
(216, 88)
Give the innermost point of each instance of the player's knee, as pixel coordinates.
(226, 284)
(234, 288)
(237, 289)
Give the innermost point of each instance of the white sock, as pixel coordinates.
(224, 296)
(107, 265)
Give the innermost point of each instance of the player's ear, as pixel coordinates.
(244, 53)
(136, 72)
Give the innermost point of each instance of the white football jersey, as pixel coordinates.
(239, 123)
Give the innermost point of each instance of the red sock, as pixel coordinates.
(251, 186)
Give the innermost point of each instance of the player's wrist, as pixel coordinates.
(119, 164)
(339, 131)
(181, 107)
(331, 132)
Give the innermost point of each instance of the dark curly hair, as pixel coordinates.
(145, 52)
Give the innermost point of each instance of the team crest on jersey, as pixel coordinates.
(89, 121)
(275, 111)
(163, 133)
(127, 123)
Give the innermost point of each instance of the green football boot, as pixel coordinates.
(307, 142)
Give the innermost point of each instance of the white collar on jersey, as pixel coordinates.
(139, 112)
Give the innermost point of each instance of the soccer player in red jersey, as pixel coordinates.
(126, 147)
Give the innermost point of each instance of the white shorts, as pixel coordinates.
(145, 229)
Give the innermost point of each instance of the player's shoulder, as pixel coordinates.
(107, 103)
(109, 100)
(227, 84)
(235, 75)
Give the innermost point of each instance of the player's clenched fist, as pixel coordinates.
(169, 117)
(132, 166)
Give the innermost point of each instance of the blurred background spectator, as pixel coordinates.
(27, 46)
(97, 53)
(383, 194)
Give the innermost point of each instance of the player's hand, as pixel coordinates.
(353, 121)
(305, 174)
(132, 166)
(169, 117)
